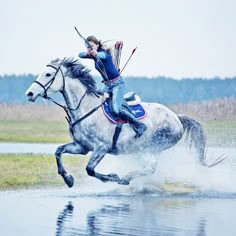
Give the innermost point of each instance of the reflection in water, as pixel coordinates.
(201, 230)
(63, 217)
(45, 212)
(96, 224)
(160, 217)
(104, 221)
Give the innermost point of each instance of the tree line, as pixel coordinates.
(159, 89)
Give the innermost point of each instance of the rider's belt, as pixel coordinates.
(111, 81)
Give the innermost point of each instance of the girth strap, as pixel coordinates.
(86, 115)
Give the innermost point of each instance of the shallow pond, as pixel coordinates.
(70, 212)
(181, 198)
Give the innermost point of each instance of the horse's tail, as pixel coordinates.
(197, 137)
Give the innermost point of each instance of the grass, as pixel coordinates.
(34, 131)
(27, 170)
(46, 123)
(33, 123)
(220, 133)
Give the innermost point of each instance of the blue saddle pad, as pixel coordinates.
(137, 110)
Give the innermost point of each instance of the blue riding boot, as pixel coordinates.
(138, 126)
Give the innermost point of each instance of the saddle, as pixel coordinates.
(132, 103)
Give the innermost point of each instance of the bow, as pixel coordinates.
(95, 58)
(85, 40)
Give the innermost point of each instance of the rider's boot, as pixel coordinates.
(138, 126)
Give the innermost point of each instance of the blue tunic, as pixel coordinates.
(117, 87)
(108, 70)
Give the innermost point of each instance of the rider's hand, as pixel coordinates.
(93, 52)
(106, 95)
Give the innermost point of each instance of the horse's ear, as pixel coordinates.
(71, 63)
(55, 60)
(75, 61)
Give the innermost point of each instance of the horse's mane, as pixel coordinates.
(78, 71)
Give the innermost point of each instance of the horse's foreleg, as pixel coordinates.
(94, 160)
(146, 170)
(72, 148)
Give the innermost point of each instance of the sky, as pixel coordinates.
(174, 38)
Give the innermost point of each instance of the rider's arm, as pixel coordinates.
(102, 55)
(84, 55)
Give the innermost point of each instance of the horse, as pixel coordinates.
(91, 131)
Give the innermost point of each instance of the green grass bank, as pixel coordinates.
(32, 171)
(34, 131)
(220, 133)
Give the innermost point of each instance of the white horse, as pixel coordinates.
(92, 131)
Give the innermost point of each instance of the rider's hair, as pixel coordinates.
(99, 43)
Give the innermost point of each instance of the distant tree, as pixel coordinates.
(159, 89)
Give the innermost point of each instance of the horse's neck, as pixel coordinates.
(73, 94)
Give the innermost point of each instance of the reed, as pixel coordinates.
(223, 109)
(219, 109)
(40, 112)
(46, 123)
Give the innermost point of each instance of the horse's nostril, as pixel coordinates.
(30, 94)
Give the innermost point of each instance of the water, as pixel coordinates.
(70, 212)
(181, 198)
(28, 148)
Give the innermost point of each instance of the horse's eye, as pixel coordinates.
(48, 74)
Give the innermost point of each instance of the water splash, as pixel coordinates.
(177, 173)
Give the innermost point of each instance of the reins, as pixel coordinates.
(67, 108)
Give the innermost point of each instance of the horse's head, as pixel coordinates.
(51, 80)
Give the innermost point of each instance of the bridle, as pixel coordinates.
(50, 82)
(62, 91)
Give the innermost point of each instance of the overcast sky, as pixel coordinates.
(176, 38)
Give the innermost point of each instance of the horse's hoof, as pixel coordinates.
(69, 180)
(124, 182)
(114, 151)
(114, 177)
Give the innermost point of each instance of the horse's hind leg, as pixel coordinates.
(148, 169)
(96, 157)
(72, 148)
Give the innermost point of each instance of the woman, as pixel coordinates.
(114, 84)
